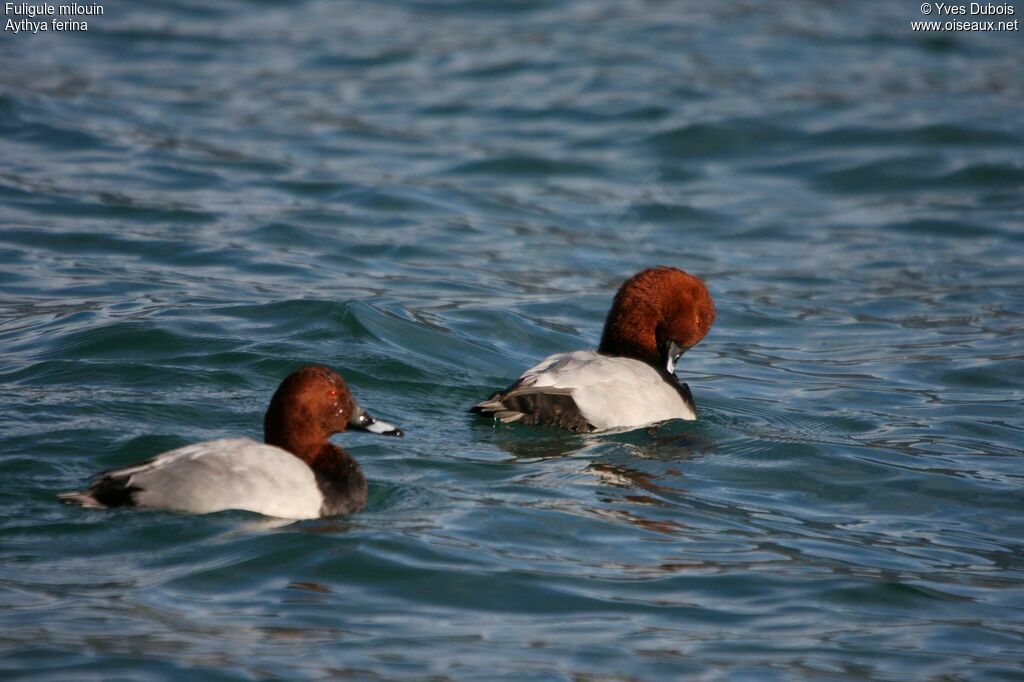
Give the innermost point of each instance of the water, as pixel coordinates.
(196, 198)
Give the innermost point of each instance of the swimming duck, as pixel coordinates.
(629, 381)
(296, 473)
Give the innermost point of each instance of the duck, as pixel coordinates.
(295, 473)
(629, 382)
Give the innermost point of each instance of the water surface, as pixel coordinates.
(197, 198)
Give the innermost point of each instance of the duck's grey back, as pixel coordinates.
(230, 473)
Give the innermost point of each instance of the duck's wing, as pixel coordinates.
(236, 473)
(536, 399)
(585, 391)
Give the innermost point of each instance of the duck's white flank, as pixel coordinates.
(230, 473)
(611, 392)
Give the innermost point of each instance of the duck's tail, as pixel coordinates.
(83, 498)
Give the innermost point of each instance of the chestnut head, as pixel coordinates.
(657, 315)
(311, 404)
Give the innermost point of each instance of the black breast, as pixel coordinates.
(683, 389)
(341, 482)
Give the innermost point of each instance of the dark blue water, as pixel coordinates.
(198, 197)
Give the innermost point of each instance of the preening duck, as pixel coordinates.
(629, 381)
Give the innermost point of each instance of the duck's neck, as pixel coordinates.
(295, 430)
(338, 475)
(333, 461)
(303, 444)
(630, 336)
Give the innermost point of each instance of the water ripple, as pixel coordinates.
(432, 196)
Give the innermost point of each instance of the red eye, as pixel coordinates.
(333, 393)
